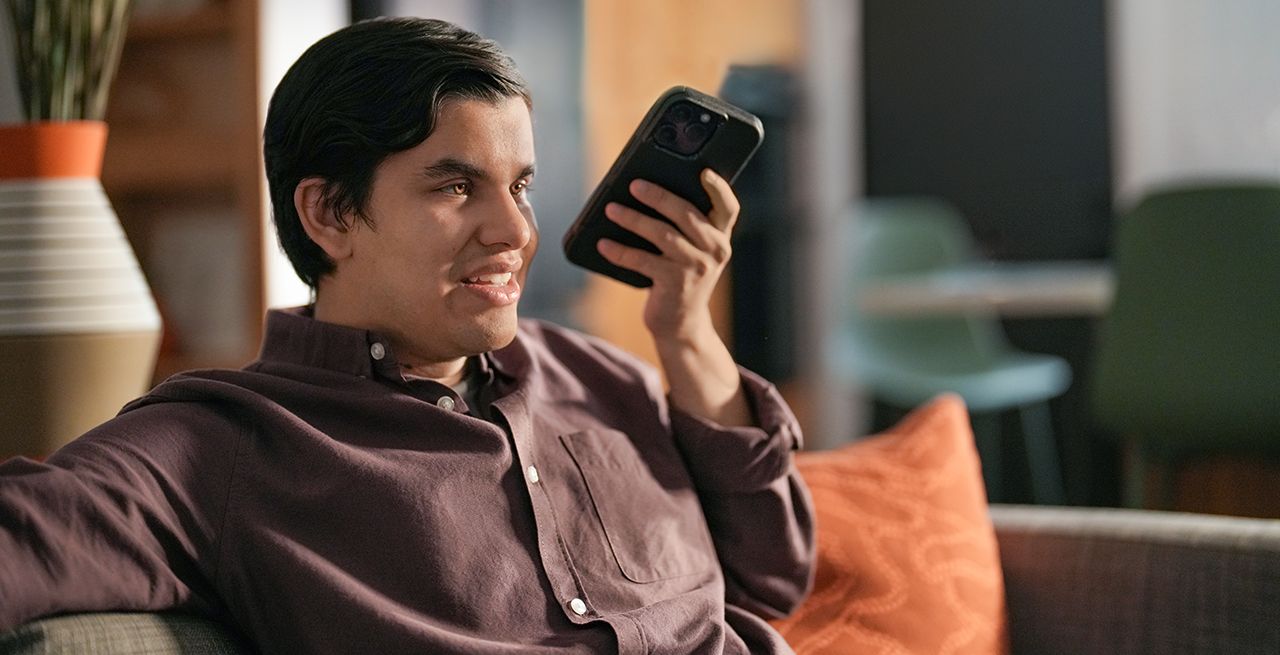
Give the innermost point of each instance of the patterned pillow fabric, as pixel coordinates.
(907, 558)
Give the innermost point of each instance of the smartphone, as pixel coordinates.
(684, 132)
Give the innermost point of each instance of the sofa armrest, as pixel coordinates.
(121, 634)
(1081, 580)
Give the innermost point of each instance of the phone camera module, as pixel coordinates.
(681, 113)
(667, 136)
(685, 128)
(696, 133)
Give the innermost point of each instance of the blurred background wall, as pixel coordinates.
(1197, 92)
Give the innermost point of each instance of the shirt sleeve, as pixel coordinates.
(123, 518)
(756, 504)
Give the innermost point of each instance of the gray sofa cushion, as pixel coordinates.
(1078, 580)
(121, 634)
(1122, 581)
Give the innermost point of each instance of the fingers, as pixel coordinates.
(697, 245)
(655, 267)
(670, 241)
(684, 214)
(724, 203)
(687, 219)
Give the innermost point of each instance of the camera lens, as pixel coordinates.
(695, 134)
(667, 135)
(681, 113)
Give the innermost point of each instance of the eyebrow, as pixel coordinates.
(449, 167)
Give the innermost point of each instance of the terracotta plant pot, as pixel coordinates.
(79, 329)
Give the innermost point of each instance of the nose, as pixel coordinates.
(509, 224)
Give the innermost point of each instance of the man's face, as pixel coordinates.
(453, 233)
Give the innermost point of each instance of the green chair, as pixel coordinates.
(1188, 361)
(905, 360)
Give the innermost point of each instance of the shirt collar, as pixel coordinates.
(294, 336)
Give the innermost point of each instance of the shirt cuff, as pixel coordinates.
(740, 459)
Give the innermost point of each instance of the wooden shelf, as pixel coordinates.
(181, 153)
(168, 161)
(210, 20)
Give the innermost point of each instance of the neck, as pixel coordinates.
(448, 372)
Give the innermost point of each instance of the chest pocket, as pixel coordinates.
(653, 522)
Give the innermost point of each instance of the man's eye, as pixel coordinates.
(458, 189)
(520, 187)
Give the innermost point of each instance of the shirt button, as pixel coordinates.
(532, 474)
(578, 606)
(446, 403)
(377, 351)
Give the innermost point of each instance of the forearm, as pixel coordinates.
(755, 503)
(120, 519)
(694, 249)
(69, 544)
(703, 377)
(767, 577)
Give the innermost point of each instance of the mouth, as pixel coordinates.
(489, 279)
(494, 285)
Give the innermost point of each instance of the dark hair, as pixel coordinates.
(359, 95)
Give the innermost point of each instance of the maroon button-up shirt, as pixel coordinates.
(321, 502)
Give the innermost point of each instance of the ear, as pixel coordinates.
(325, 227)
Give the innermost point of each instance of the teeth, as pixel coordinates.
(496, 279)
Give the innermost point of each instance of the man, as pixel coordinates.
(406, 467)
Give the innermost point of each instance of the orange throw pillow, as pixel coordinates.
(907, 558)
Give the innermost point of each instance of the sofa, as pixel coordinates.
(1077, 580)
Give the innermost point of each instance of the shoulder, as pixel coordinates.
(227, 392)
(156, 433)
(562, 340)
(554, 348)
(196, 409)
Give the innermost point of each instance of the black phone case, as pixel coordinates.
(726, 152)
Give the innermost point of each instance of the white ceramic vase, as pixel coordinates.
(79, 330)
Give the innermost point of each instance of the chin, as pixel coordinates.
(492, 333)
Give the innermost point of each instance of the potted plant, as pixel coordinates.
(78, 326)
